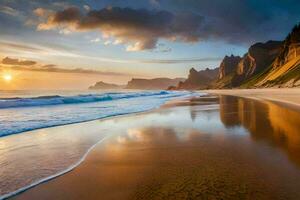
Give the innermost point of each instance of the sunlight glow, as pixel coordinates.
(7, 77)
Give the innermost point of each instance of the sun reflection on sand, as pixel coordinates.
(265, 121)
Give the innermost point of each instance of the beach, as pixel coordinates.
(210, 147)
(287, 96)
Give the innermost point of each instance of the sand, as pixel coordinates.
(290, 96)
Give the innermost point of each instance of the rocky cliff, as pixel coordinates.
(227, 71)
(285, 70)
(270, 64)
(197, 79)
(228, 65)
(152, 84)
(105, 86)
(235, 71)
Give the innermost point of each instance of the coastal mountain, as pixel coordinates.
(240, 70)
(228, 65)
(197, 79)
(105, 86)
(152, 84)
(227, 71)
(285, 70)
(270, 64)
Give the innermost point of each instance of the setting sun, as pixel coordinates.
(7, 77)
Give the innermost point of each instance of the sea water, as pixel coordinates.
(23, 111)
(31, 153)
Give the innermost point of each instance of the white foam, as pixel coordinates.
(70, 168)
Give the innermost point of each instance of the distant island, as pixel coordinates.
(152, 84)
(138, 83)
(105, 86)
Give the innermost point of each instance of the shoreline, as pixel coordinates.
(82, 159)
(89, 169)
(49, 178)
(289, 97)
(244, 93)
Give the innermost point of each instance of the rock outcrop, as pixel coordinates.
(105, 86)
(228, 65)
(152, 84)
(235, 71)
(285, 70)
(197, 79)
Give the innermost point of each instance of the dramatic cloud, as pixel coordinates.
(243, 21)
(12, 61)
(139, 29)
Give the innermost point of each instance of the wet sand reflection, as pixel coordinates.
(233, 148)
(266, 122)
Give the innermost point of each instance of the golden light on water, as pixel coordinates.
(7, 77)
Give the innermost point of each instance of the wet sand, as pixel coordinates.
(290, 96)
(221, 147)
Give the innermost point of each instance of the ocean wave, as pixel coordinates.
(87, 98)
(43, 180)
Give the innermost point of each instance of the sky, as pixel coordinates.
(72, 44)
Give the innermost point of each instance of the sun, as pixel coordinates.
(7, 77)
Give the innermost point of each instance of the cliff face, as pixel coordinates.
(105, 86)
(239, 70)
(285, 70)
(270, 64)
(152, 84)
(228, 65)
(258, 58)
(198, 79)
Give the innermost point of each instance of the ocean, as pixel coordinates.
(31, 153)
(22, 111)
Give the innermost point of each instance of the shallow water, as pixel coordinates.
(22, 111)
(225, 148)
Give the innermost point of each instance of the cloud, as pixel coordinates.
(20, 47)
(96, 40)
(86, 7)
(183, 60)
(28, 65)
(154, 3)
(9, 11)
(12, 61)
(48, 49)
(41, 12)
(243, 21)
(67, 70)
(67, 52)
(138, 29)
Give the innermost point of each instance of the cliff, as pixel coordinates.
(228, 65)
(285, 70)
(197, 80)
(227, 71)
(235, 71)
(105, 86)
(152, 84)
